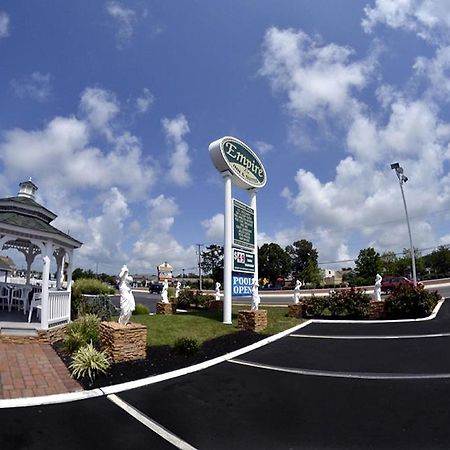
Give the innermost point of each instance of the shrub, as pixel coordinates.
(313, 306)
(89, 361)
(185, 298)
(202, 300)
(82, 331)
(100, 306)
(140, 309)
(409, 301)
(187, 346)
(90, 286)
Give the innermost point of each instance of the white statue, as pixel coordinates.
(298, 285)
(255, 296)
(127, 303)
(164, 292)
(377, 288)
(217, 293)
(177, 289)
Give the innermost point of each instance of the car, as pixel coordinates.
(155, 288)
(389, 283)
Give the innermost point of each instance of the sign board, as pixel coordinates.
(231, 154)
(243, 261)
(241, 284)
(243, 225)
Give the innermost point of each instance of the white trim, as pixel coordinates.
(406, 336)
(358, 375)
(151, 424)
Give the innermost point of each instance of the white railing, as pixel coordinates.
(58, 306)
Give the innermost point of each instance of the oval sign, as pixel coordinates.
(229, 153)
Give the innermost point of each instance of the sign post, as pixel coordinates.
(240, 166)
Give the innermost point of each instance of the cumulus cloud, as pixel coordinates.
(36, 86)
(214, 228)
(125, 19)
(262, 148)
(156, 244)
(179, 159)
(4, 25)
(144, 101)
(315, 80)
(429, 19)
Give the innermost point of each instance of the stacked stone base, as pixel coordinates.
(123, 342)
(296, 310)
(166, 308)
(252, 320)
(215, 305)
(377, 310)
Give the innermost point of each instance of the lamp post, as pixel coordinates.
(403, 179)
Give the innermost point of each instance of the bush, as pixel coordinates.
(89, 361)
(82, 331)
(89, 286)
(100, 306)
(140, 309)
(202, 300)
(187, 346)
(185, 299)
(313, 306)
(410, 302)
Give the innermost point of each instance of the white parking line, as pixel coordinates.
(409, 336)
(149, 423)
(333, 374)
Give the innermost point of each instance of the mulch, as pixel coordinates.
(162, 359)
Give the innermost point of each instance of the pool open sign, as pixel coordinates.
(242, 284)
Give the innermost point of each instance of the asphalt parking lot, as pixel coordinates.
(324, 386)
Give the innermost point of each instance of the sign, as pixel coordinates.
(243, 261)
(231, 154)
(243, 225)
(241, 285)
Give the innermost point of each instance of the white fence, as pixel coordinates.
(58, 307)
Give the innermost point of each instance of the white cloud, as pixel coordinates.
(179, 159)
(125, 19)
(429, 19)
(145, 101)
(262, 148)
(316, 79)
(156, 244)
(4, 25)
(36, 86)
(214, 228)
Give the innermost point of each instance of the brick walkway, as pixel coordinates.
(28, 370)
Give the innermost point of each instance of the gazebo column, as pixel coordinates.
(69, 270)
(46, 258)
(59, 266)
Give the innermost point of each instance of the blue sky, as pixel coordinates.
(110, 107)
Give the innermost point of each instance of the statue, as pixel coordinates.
(217, 293)
(255, 296)
(164, 292)
(177, 289)
(377, 288)
(127, 303)
(298, 285)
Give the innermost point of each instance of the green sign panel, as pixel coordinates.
(243, 225)
(243, 261)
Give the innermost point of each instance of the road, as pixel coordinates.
(278, 298)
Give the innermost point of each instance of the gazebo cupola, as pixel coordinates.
(27, 189)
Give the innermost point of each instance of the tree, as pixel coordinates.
(438, 262)
(273, 262)
(389, 263)
(304, 259)
(367, 265)
(212, 262)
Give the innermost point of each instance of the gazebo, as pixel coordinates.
(25, 225)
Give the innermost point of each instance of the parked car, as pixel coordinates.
(155, 288)
(389, 283)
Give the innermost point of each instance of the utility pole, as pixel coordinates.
(200, 265)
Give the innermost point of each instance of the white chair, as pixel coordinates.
(36, 302)
(4, 297)
(19, 299)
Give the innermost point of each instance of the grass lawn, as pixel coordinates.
(205, 325)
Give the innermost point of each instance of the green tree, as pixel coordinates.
(304, 260)
(367, 265)
(438, 262)
(212, 262)
(273, 262)
(388, 263)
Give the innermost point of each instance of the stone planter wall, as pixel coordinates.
(41, 337)
(166, 308)
(216, 305)
(252, 320)
(377, 310)
(123, 342)
(296, 310)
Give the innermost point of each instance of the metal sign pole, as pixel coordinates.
(227, 252)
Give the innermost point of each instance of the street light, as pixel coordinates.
(403, 179)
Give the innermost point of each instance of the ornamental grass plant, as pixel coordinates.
(88, 361)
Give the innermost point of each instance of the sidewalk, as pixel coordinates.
(28, 370)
